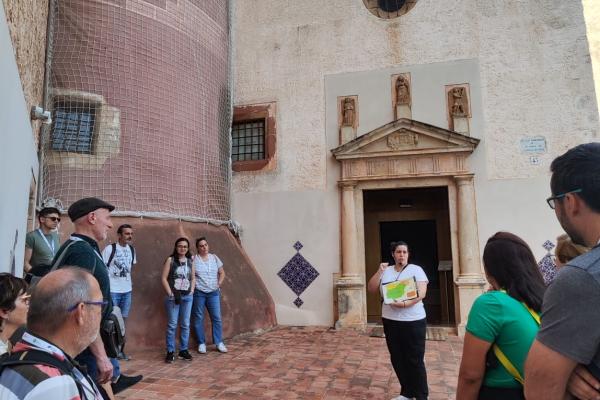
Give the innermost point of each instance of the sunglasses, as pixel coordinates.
(53, 219)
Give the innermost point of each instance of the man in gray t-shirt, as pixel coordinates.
(570, 330)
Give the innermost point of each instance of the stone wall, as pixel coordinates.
(246, 305)
(27, 21)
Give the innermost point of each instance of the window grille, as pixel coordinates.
(73, 128)
(248, 140)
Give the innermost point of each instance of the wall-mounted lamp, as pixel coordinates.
(38, 112)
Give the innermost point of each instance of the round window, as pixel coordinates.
(388, 9)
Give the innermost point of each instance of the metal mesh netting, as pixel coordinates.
(141, 106)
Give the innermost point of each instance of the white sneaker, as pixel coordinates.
(402, 398)
(202, 348)
(221, 347)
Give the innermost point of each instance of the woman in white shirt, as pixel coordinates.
(207, 294)
(404, 323)
(14, 304)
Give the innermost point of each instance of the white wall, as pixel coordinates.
(528, 61)
(18, 156)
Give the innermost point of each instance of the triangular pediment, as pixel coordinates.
(405, 137)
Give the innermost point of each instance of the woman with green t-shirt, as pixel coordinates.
(502, 323)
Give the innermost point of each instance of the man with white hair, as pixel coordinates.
(64, 318)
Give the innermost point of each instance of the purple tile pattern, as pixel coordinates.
(298, 274)
(548, 245)
(547, 265)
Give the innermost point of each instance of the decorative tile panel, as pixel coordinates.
(547, 265)
(298, 274)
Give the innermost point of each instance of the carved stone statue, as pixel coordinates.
(459, 105)
(402, 91)
(348, 113)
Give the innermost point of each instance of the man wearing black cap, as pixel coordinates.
(91, 217)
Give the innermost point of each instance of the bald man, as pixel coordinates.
(64, 318)
(91, 217)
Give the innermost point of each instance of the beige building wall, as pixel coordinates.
(528, 62)
(591, 11)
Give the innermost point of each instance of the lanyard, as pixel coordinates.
(50, 244)
(42, 344)
(78, 239)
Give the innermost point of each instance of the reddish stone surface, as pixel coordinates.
(291, 363)
(170, 83)
(246, 304)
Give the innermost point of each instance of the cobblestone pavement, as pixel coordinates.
(291, 363)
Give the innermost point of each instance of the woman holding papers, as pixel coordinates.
(502, 323)
(403, 287)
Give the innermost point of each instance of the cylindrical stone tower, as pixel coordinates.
(140, 94)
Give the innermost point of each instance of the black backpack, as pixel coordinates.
(114, 250)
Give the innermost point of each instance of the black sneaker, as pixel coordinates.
(170, 357)
(123, 356)
(125, 382)
(184, 354)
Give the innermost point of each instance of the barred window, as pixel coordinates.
(248, 140)
(73, 127)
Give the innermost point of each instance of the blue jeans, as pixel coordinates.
(123, 301)
(178, 312)
(87, 359)
(212, 302)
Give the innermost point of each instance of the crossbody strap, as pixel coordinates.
(509, 366)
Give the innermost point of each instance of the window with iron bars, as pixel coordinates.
(248, 140)
(73, 127)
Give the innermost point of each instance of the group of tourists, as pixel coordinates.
(191, 283)
(525, 337)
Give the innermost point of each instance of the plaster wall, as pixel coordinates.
(272, 223)
(530, 72)
(18, 157)
(591, 11)
(499, 201)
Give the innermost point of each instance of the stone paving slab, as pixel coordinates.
(291, 363)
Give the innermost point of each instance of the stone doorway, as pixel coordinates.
(419, 217)
(408, 155)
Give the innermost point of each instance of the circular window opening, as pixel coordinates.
(388, 9)
(390, 5)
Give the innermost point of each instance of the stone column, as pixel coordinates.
(470, 280)
(351, 298)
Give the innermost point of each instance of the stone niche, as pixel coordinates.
(402, 96)
(347, 118)
(458, 105)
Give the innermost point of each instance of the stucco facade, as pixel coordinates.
(530, 75)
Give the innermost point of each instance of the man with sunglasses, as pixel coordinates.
(42, 244)
(566, 353)
(91, 218)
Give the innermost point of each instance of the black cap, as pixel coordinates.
(85, 206)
